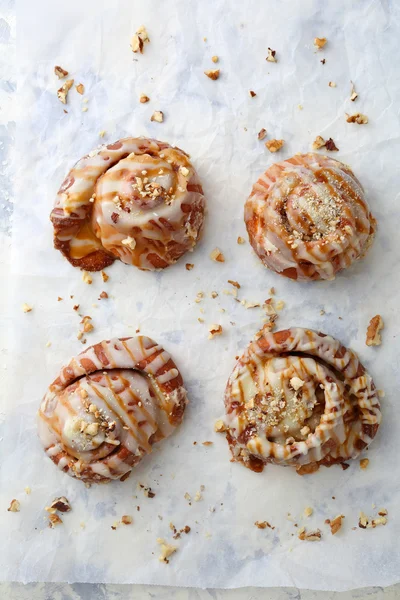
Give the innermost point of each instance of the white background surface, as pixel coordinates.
(228, 160)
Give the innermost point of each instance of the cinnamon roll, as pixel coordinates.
(299, 398)
(138, 200)
(307, 217)
(108, 407)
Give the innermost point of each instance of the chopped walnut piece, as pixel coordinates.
(87, 278)
(105, 276)
(262, 133)
(103, 295)
(331, 146)
(364, 462)
(336, 524)
(261, 524)
(189, 266)
(382, 512)
(241, 240)
(353, 93)
(187, 496)
(365, 522)
(80, 88)
(61, 504)
(138, 40)
(207, 443)
(234, 283)
(357, 118)
(148, 492)
(214, 331)
(373, 337)
(274, 145)
(214, 59)
(212, 74)
(126, 519)
(252, 94)
(311, 536)
(54, 520)
(60, 72)
(87, 325)
(26, 308)
(217, 255)
(332, 84)
(62, 93)
(271, 55)
(143, 99)
(318, 143)
(166, 550)
(130, 242)
(157, 116)
(14, 506)
(320, 42)
(308, 511)
(219, 426)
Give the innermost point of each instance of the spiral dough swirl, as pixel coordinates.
(108, 407)
(138, 200)
(307, 217)
(299, 398)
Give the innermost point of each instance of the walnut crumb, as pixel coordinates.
(217, 255)
(87, 325)
(357, 118)
(234, 283)
(308, 511)
(261, 524)
(54, 520)
(14, 506)
(274, 145)
(27, 490)
(143, 99)
(219, 426)
(189, 266)
(26, 308)
(60, 504)
(320, 42)
(62, 93)
(353, 93)
(103, 295)
(214, 331)
(331, 146)
(126, 519)
(310, 536)
(364, 462)
(252, 94)
(332, 84)
(336, 524)
(207, 443)
(262, 133)
(139, 39)
(60, 72)
(214, 294)
(105, 276)
(80, 88)
(373, 337)
(157, 116)
(87, 278)
(212, 74)
(271, 55)
(214, 59)
(365, 522)
(166, 550)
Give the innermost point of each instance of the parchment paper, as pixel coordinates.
(217, 123)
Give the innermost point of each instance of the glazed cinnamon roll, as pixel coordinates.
(299, 398)
(108, 407)
(307, 217)
(138, 200)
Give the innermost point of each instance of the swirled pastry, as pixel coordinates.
(307, 217)
(108, 407)
(299, 398)
(138, 200)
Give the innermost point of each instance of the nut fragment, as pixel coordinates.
(353, 93)
(14, 506)
(373, 337)
(308, 511)
(271, 55)
(54, 520)
(262, 133)
(214, 331)
(80, 88)
(103, 295)
(214, 59)
(311, 536)
(318, 143)
(357, 118)
(217, 255)
(234, 283)
(252, 94)
(62, 93)
(143, 99)
(60, 72)
(166, 550)
(219, 426)
(26, 308)
(189, 266)
(126, 519)
(331, 146)
(241, 240)
(87, 325)
(274, 145)
(157, 116)
(332, 84)
(212, 74)
(336, 524)
(364, 462)
(87, 278)
(139, 39)
(61, 504)
(320, 42)
(105, 276)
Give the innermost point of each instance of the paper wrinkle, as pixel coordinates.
(206, 119)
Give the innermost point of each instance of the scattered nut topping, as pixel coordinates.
(60, 72)
(217, 255)
(212, 74)
(364, 462)
(148, 492)
(130, 242)
(207, 443)
(139, 39)
(262, 133)
(87, 325)
(26, 308)
(54, 520)
(199, 297)
(143, 99)
(274, 145)
(318, 143)
(14, 506)
(331, 146)
(279, 305)
(382, 512)
(323, 61)
(157, 116)
(261, 524)
(189, 266)
(214, 294)
(105, 276)
(373, 337)
(311, 536)
(187, 497)
(87, 278)
(336, 524)
(241, 240)
(103, 295)
(214, 331)
(308, 511)
(320, 42)
(234, 283)
(61, 504)
(102, 133)
(332, 84)
(271, 55)
(365, 522)
(27, 490)
(80, 88)
(219, 426)
(62, 93)
(126, 519)
(353, 93)
(357, 118)
(252, 94)
(214, 59)
(166, 550)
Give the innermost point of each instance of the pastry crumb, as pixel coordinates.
(331, 146)
(219, 426)
(54, 520)
(373, 337)
(105, 276)
(87, 278)
(166, 550)
(126, 519)
(332, 84)
(27, 490)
